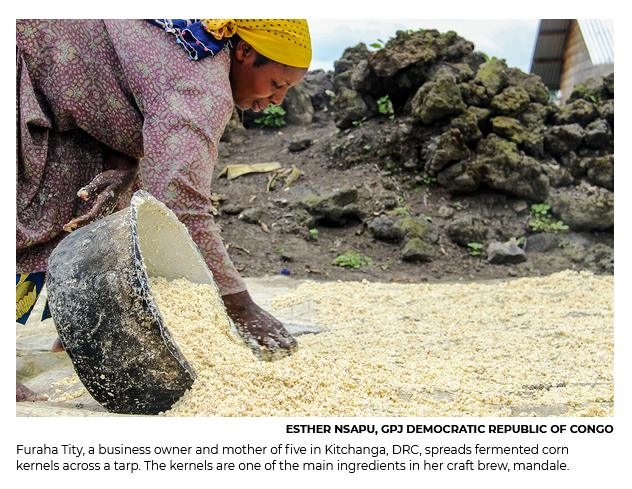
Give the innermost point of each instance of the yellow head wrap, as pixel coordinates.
(285, 41)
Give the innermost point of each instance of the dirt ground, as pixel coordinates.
(279, 242)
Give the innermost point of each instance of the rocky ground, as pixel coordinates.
(267, 231)
(422, 161)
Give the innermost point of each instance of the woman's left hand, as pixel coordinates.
(108, 187)
(263, 333)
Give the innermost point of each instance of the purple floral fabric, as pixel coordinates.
(83, 85)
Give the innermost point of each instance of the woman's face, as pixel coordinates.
(258, 87)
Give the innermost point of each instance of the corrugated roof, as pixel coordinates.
(548, 53)
(599, 38)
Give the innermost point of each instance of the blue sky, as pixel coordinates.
(512, 40)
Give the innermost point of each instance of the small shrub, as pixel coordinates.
(542, 222)
(359, 123)
(352, 259)
(385, 266)
(475, 248)
(385, 107)
(378, 45)
(428, 180)
(273, 117)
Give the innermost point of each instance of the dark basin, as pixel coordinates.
(106, 314)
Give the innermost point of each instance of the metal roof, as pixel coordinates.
(599, 38)
(548, 53)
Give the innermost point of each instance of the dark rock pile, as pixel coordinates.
(475, 125)
(429, 109)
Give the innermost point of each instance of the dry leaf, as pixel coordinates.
(264, 227)
(234, 171)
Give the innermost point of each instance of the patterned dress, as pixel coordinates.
(86, 84)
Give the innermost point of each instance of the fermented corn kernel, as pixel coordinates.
(477, 349)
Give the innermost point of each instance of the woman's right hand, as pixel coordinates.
(263, 333)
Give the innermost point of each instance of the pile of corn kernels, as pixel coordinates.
(527, 347)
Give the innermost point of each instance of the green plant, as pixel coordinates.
(542, 222)
(428, 180)
(367, 147)
(554, 227)
(475, 248)
(359, 123)
(273, 117)
(540, 209)
(386, 107)
(314, 234)
(281, 250)
(386, 265)
(379, 45)
(352, 259)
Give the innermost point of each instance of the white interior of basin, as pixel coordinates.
(166, 247)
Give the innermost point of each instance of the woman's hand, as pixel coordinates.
(263, 333)
(23, 393)
(109, 186)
